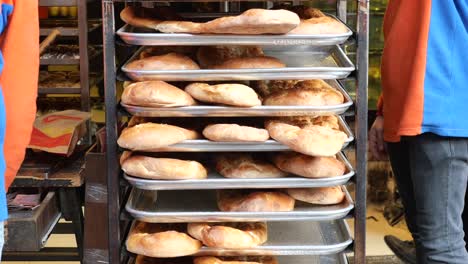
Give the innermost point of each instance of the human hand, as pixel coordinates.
(376, 140)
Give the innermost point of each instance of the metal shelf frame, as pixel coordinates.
(114, 203)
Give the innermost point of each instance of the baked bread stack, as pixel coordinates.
(321, 196)
(309, 166)
(151, 136)
(306, 138)
(228, 94)
(235, 133)
(161, 240)
(229, 235)
(155, 94)
(244, 166)
(254, 201)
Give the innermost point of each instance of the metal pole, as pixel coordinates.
(83, 50)
(111, 131)
(341, 10)
(361, 132)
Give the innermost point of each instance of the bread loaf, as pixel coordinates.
(228, 94)
(150, 136)
(139, 17)
(250, 22)
(155, 94)
(244, 166)
(163, 168)
(229, 235)
(254, 201)
(319, 26)
(311, 92)
(261, 62)
(310, 167)
(322, 195)
(170, 61)
(235, 133)
(312, 140)
(161, 240)
(209, 56)
(235, 260)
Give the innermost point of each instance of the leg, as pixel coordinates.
(465, 220)
(399, 159)
(70, 204)
(2, 238)
(439, 171)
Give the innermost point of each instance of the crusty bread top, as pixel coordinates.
(262, 62)
(155, 94)
(209, 56)
(245, 166)
(170, 61)
(254, 201)
(228, 94)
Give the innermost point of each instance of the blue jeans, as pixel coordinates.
(431, 174)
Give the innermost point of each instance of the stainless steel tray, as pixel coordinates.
(301, 238)
(324, 259)
(210, 110)
(201, 206)
(204, 145)
(216, 181)
(303, 62)
(138, 36)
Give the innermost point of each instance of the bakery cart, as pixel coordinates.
(305, 235)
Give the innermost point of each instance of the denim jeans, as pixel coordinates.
(431, 174)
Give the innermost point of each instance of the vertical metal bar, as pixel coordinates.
(342, 10)
(111, 130)
(361, 133)
(83, 50)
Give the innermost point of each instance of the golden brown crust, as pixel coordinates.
(151, 136)
(319, 26)
(235, 133)
(170, 61)
(308, 166)
(322, 195)
(209, 56)
(163, 168)
(313, 140)
(155, 94)
(311, 92)
(244, 166)
(229, 235)
(250, 22)
(235, 260)
(139, 17)
(254, 201)
(161, 240)
(261, 62)
(228, 94)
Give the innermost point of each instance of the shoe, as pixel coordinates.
(404, 250)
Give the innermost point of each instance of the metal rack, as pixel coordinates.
(115, 201)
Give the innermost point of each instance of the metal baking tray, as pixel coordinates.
(264, 110)
(303, 62)
(323, 259)
(201, 206)
(204, 145)
(301, 238)
(216, 181)
(141, 37)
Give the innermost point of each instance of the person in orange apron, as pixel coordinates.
(422, 122)
(19, 71)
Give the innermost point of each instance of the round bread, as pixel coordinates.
(312, 140)
(228, 94)
(322, 195)
(209, 56)
(150, 136)
(163, 168)
(161, 241)
(235, 260)
(147, 260)
(235, 133)
(256, 201)
(310, 167)
(229, 235)
(313, 92)
(261, 62)
(243, 166)
(155, 94)
(170, 61)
